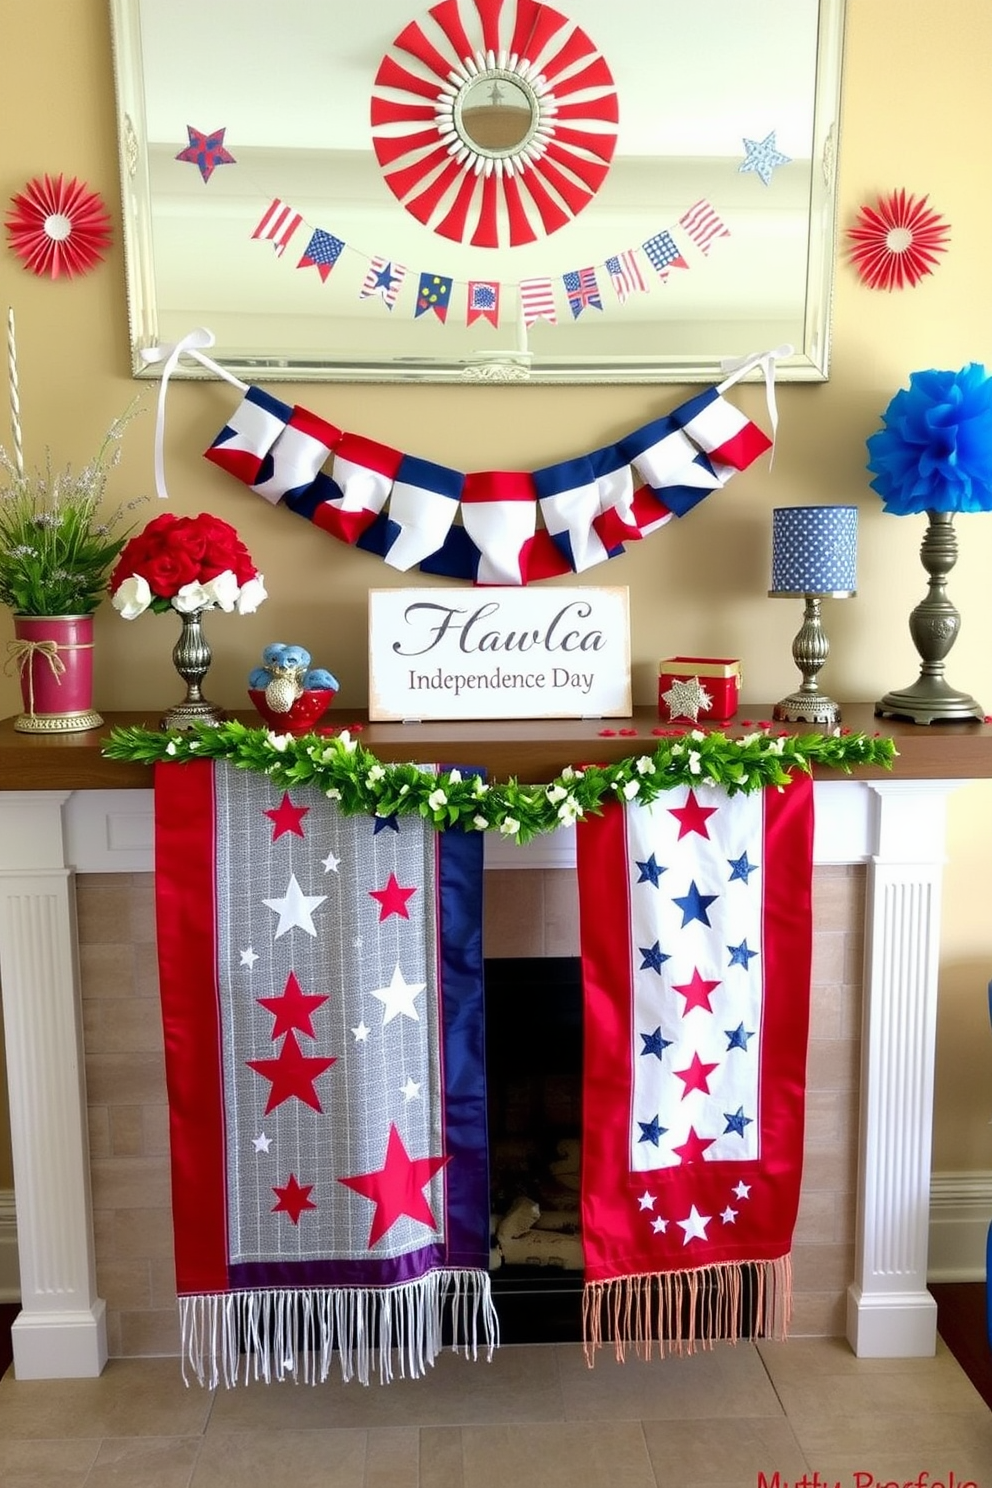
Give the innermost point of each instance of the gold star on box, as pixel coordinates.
(686, 698)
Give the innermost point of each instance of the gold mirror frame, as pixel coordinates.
(193, 256)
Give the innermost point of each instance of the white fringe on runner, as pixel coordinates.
(290, 1334)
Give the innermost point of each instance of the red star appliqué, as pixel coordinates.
(293, 1198)
(397, 1188)
(294, 1009)
(692, 817)
(292, 1074)
(695, 1076)
(287, 817)
(692, 1149)
(392, 899)
(206, 151)
(696, 992)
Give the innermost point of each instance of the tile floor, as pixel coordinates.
(797, 1415)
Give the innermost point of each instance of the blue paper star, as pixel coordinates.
(382, 822)
(650, 871)
(736, 1121)
(654, 956)
(651, 1131)
(740, 955)
(741, 868)
(654, 1043)
(694, 905)
(763, 158)
(737, 1037)
(206, 151)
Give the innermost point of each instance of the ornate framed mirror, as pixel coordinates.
(480, 190)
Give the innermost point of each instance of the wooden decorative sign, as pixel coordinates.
(499, 653)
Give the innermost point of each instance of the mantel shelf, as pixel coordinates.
(532, 750)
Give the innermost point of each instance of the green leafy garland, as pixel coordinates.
(348, 773)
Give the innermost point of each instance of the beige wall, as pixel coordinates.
(915, 97)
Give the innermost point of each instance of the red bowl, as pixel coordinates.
(302, 716)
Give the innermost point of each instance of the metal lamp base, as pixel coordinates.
(807, 707)
(929, 700)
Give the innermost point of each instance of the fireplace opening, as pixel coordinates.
(534, 1095)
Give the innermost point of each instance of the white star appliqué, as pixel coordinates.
(695, 1225)
(411, 1090)
(295, 909)
(742, 1190)
(729, 1215)
(261, 1143)
(330, 863)
(361, 1032)
(646, 1201)
(398, 997)
(248, 957)
(659, 1225)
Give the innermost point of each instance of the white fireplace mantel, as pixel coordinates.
(896, 827)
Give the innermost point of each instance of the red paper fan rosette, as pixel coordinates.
(897, 241)
(58, 226)
(432, 163)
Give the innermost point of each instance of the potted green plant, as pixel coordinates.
(58, 545)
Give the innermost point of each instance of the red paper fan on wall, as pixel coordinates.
(495, 126)
(58, 226)
(897, 241)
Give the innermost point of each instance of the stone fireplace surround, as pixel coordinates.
(53, 839)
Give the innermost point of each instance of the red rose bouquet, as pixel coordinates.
(185, 564)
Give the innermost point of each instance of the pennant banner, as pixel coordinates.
(404, 509)
(696, 942)
(321, 981)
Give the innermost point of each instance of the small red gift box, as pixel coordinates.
(703, 689)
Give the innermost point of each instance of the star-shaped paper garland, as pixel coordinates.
(687, 698)
(293, 1198)
(287, 818)
(295, 909)
(397, 1188)
(292, 1074)
(392, 899)
(763, 158)
(206, 151)
(294, 1009)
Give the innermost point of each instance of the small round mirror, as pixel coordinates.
(497, 115)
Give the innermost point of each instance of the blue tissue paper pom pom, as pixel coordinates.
(935, 451)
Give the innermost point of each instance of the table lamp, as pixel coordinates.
(814, 555)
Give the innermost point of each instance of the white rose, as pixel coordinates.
(223, 590)
(132, 598)
(437, 799)
(251, 596)
(191, 597)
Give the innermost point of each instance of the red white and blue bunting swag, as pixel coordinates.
(490, 526)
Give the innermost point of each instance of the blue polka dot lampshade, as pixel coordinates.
(814, 549)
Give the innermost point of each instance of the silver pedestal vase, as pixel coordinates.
(191, 657)
(934, 626)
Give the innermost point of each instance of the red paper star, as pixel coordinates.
(294, 1009)
(287, 817)
(58, 227)
(692, 817)
(397, 1188)
(293, 1198)
(695, 1076)
(392, 899)
(896, 242)
(292, 1074)
(692, 1149)
(206, 151)
(696, 993)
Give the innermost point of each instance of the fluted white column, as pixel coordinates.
(61, 1329)
(890, 1313)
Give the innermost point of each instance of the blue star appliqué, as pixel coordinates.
(380, 823)
(654, 1043)
(694, 905)
(654, 957)
(740, 955)
(651, 1131)
(762, 157)
(651, 871)
(741, 868)
(736, 1121)
(737, 1037)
